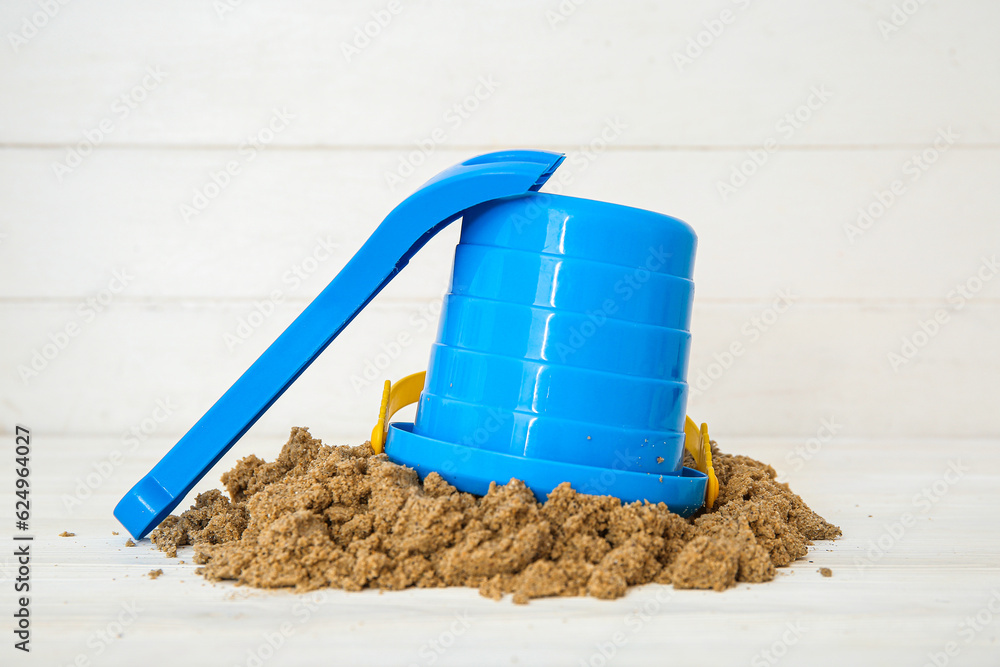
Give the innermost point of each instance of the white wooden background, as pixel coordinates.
(893, 76)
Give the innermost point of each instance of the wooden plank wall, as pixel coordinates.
(116, 117)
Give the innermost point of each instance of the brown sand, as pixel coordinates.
(155, 574)
(340, 516)
(66, 533)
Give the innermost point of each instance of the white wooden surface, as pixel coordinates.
(875, 610)
(549, 75)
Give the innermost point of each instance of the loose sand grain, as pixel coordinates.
(323, 516)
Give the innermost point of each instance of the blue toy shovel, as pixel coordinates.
(498, 339)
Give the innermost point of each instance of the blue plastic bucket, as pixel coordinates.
(563, 341)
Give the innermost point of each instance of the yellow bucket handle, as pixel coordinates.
(696, 441)
(394, 398)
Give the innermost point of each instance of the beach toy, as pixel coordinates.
(561, 354)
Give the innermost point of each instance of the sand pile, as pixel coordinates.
(340, 516)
